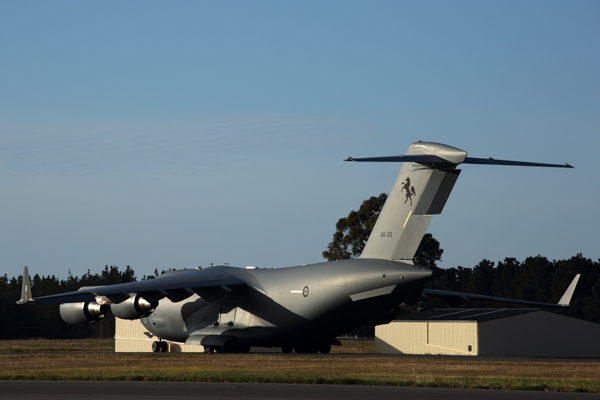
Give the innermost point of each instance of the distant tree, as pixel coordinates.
(156, 274)
(428, 253)
(352, 234)
(353, 231)
(482, 278)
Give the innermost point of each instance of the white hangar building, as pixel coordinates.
(133, 337)
(489, 332)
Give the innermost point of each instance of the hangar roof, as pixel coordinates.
(465, 314)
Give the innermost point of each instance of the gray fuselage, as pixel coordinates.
(305, 304)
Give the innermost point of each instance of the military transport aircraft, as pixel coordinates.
(304, 308)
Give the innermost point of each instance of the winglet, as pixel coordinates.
(26, 296)
(566, 298)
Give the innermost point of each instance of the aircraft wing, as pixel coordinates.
(175, 285)
(457, 298)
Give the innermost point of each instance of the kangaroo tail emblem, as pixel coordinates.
(410, 190)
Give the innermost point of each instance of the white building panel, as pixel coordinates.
(453, 337)
(423, 337)
(133, 337)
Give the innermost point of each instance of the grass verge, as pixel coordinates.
(363, 369)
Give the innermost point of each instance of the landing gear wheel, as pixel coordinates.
(287, 349)
(164, 347)
(228, 347)
(244, 349)
(156, 346)
(325, 349)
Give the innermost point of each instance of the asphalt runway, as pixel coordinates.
(66, 390)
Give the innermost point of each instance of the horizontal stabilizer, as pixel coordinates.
(432, 159)
(492, 161)
(417, 159)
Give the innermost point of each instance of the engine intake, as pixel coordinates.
(82, 313)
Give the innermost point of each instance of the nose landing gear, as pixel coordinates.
(160, 346)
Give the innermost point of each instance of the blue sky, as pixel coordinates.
(176, 134)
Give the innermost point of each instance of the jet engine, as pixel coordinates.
(133, 308)
(82, 313)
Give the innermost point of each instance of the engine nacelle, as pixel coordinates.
(82, 313)
(133, 308)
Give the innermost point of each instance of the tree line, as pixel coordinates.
(535, 278)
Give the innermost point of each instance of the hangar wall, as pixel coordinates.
(539, 334)
(425, 337)
(130, 337)
(489, 332)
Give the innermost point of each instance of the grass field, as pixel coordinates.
(355, 363)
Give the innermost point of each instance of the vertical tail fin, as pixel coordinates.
(420, 191)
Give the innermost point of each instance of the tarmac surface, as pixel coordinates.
(66, 390)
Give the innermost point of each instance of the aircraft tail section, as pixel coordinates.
(420, 191)
(424, 183)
